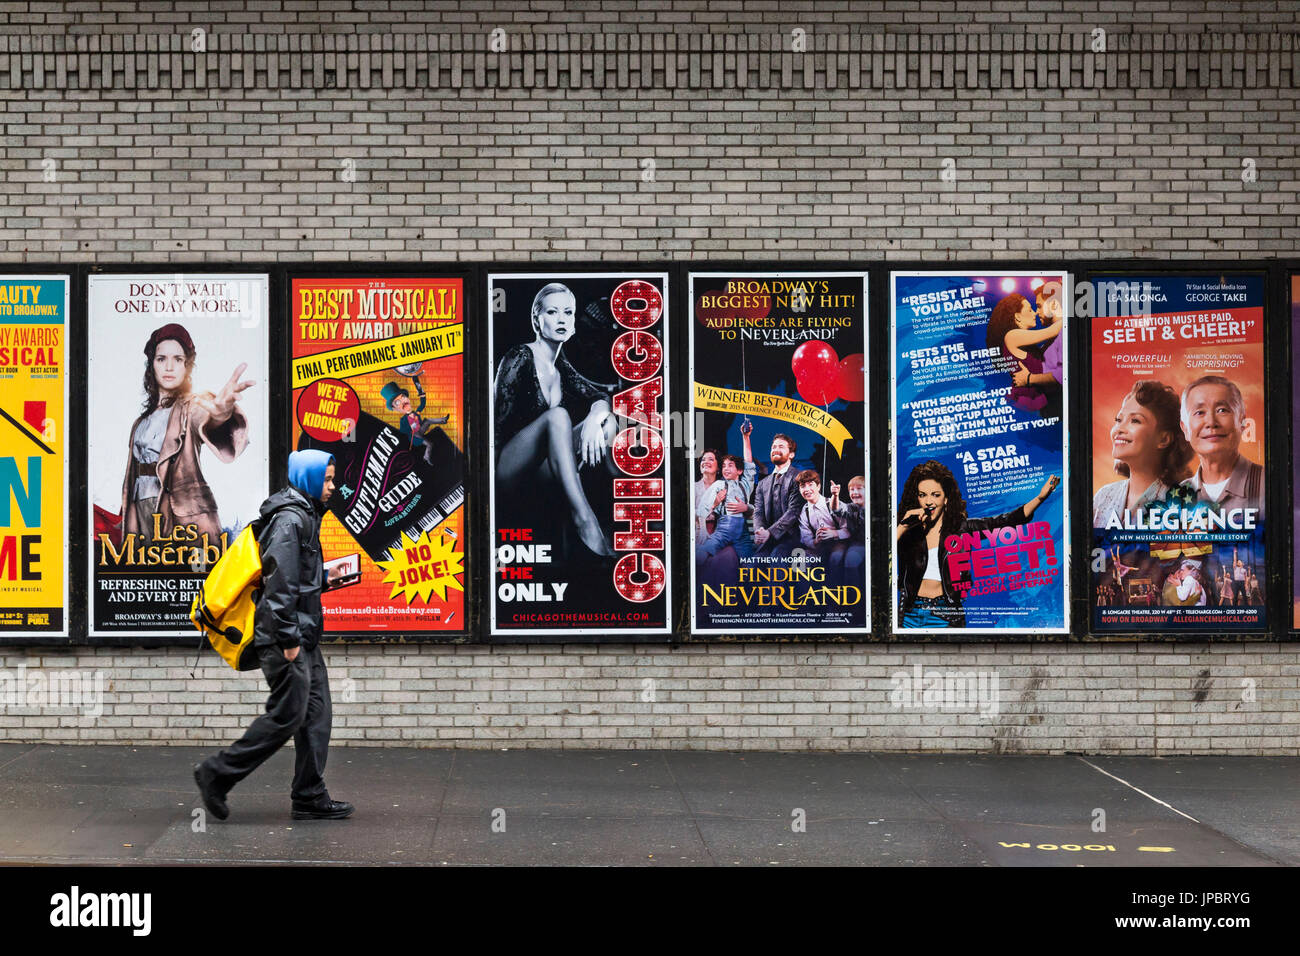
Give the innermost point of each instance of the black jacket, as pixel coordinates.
(518, 400)
(913, 555)
(293, 572)
(777, 503)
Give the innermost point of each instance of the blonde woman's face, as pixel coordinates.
(169, 365)
(555, 321)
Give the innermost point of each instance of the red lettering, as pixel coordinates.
(636, 304)
(639, 402)
(9, 557)
(636, 355)
(639, 537)
(639, 577)
(638, 436)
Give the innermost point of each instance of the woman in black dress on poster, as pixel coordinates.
(538, 395)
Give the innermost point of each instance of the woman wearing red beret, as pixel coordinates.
(163, 476)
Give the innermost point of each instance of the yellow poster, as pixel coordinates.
(33, 454)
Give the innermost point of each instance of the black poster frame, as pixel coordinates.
(1279, 335)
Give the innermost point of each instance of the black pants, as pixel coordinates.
(299, 707)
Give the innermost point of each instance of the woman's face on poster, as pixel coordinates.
(1134, 437)
(555, 320)
(708, 464)
(931, 497)
(1025, 318)
(169, 364)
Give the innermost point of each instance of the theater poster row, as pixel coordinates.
(33, 454)
(980, 398)
(1178, 463)
(778, 425)
(579, 436)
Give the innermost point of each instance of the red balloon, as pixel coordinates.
(851, 377)
(819, 390)
(812, 356)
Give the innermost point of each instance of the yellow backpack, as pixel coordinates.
(224, 607)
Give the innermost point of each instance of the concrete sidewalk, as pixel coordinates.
(137, 805)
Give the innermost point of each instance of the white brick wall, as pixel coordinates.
(163, 155)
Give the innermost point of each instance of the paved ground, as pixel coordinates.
(136, 805)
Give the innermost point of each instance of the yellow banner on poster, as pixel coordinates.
(789, 410)
(33, 454)
(422, 346)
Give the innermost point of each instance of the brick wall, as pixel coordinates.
(759, 151)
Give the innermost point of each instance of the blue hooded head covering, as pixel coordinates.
(307, 472)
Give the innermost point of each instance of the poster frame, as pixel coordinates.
(1277, 389)
(68, 569)
(471, 397)
(580, 269)
(1068, 543)
(175, 269)
(683, 513)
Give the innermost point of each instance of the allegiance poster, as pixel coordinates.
(579, 475)
(1178, 466)
(980, 399)
(778, 503)
(177, 439)
(378, 382)
(33, 454)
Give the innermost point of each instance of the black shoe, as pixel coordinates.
(215, 802)
(325, 809)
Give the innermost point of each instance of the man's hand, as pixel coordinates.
(824, 534)
(735, 507)
(291, 653)
(761, 535)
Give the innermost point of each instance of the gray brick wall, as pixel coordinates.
(759, 152)
(1150, 699)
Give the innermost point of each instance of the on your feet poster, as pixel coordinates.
(579, 468)
(980, 398)
(777, 508)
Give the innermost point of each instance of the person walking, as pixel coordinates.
(287, 628)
